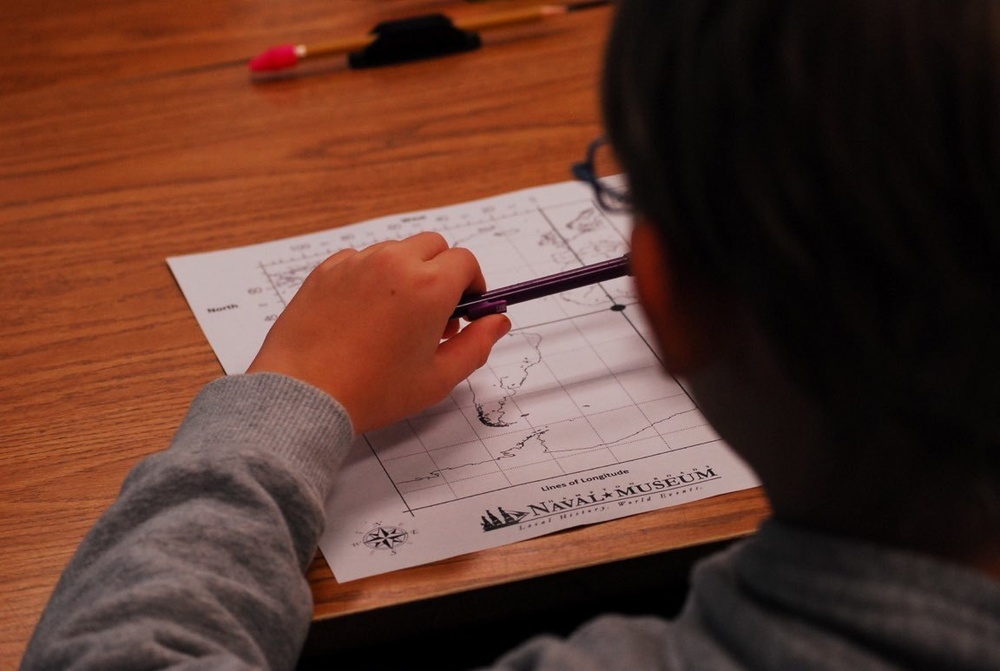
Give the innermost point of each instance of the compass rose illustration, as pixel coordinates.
(385, 537)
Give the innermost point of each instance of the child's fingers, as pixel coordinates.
(461, 355)
(459, 266)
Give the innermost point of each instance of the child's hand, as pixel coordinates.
(367, 328)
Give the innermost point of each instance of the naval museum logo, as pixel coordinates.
(491, 522)
(574, 504)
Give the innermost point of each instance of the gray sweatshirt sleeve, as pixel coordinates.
(200, 562)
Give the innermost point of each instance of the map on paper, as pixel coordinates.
(572, 421)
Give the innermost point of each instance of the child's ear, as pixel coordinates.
(675, 309)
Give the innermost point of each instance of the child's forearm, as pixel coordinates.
(202, 557)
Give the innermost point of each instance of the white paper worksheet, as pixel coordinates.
(572, 421)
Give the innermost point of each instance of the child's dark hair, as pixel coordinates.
(834, 165)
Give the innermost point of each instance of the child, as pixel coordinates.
(816, 185)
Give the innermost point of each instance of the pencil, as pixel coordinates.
(287, 55)
(497, 300)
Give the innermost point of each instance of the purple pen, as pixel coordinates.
(497, 300)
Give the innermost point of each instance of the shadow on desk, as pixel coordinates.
(467, 630)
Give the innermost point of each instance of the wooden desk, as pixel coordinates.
(131, 132)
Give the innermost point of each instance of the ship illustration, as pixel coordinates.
(491, 521)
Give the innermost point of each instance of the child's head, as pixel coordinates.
(834, 167)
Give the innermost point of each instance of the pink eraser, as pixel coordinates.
(275, 58)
